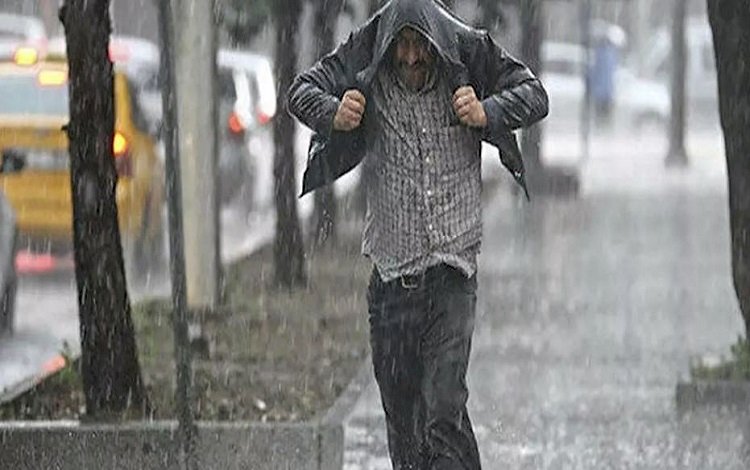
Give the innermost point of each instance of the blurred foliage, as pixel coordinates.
(244, 19)
(737, 367)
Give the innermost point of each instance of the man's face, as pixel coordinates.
(412, 58)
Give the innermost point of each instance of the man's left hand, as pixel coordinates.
(468, 108)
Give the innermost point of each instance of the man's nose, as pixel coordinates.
(412, 56)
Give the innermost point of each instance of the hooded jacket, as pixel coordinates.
(510, 93)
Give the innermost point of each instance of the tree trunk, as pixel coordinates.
(288, 244)
(729, 22)
(531, 51)
(325, 211)
(111, 372)
(677, 155)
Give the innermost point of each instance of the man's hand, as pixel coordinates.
(468, 108)
(350, 112)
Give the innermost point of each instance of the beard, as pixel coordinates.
(415, 76)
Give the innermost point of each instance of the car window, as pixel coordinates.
(25, 95)
(144, 78)
(136, 111)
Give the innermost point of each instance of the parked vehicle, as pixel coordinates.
(36, 179)
(701, 80)
(246, 104)
(24, 35)
(8, 280)
(638, 102)
(258, 105)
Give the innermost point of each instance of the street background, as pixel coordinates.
(591, 307)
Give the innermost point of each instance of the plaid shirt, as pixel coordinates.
(422, 174)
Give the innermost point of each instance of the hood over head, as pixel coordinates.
(429, 17)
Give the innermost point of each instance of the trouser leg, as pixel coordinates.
(394, 338)
(446, 345)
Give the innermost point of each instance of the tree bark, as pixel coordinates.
(531, 51)
(288, 243)
(111, 372)
(729, 22)
(677, 155)
(325, 212)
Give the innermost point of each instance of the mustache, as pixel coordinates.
(416, 65)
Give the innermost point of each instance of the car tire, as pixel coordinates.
(8, 307)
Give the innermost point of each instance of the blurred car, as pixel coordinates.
(257, 88)
(702, 84)
(136, 57)
(36, 177)
(21, 35)
(8, 245)
(246, 104)
(638, 103)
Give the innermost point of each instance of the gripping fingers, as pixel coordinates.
(354, 106)
(464, 111)
(356, 96)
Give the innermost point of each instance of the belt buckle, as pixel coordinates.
(410, 282)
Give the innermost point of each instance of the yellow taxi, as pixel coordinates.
(34, 174)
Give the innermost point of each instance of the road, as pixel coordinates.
(590, 310)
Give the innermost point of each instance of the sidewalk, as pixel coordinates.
(589, 312)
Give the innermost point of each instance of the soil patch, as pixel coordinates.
(274, 355)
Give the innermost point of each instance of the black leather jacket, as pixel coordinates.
(512, 96)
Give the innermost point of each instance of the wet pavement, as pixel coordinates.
(590, 311)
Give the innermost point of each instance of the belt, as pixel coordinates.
(411, 281)
(414, 281)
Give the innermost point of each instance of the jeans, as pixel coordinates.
(420, 333)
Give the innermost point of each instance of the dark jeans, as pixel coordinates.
(420, 332)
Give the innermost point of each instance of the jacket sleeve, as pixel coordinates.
(514, 97)
(315, 94)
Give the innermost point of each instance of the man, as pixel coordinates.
(411, 95)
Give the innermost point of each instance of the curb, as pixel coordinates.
(345, 403)
(694, 395)
(317, 444)
(314, 445)
(69, 445)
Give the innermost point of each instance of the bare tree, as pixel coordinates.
(677, 155)
(288, 244)
(532, 23)
(325, 212)
(111, 372)
(729, 22)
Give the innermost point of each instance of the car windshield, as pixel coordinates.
(25, 95)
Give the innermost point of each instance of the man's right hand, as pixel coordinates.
(350, 112)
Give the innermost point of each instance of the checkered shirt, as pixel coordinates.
(422, 173)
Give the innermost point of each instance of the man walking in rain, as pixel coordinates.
(411, 95)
